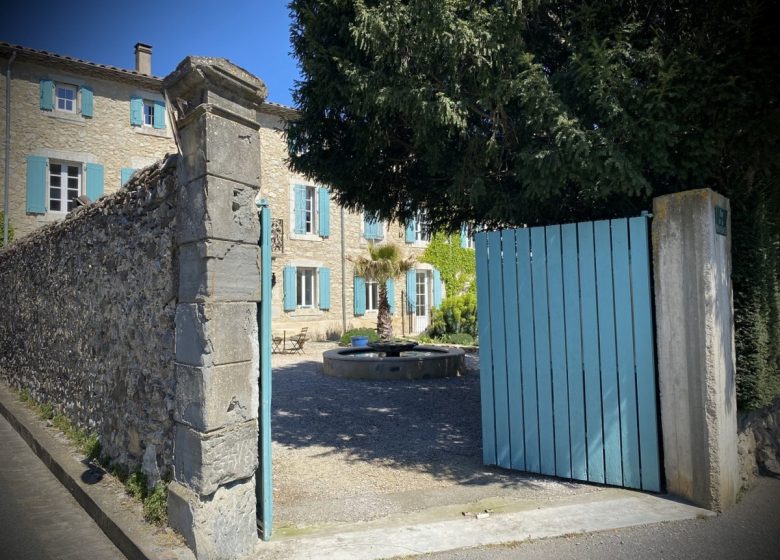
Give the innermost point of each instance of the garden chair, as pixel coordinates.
(298, 340)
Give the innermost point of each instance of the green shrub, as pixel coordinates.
(92, 447)
(456, 314)
(136, 485)
(24, 396)
(156, 505)
(45, 411)
(464, 339)
(346, 338)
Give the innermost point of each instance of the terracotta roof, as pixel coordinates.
(79, 64)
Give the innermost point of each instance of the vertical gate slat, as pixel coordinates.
(590, 352)
(624, 335)
(512, 329)
(608, 354)
(527, 351)
(485, 361)
(645, 359)
(542, 341)
(560, 386)
(498, 345)
(571, 290)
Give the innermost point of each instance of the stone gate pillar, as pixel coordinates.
(212, 498)
(695, 341)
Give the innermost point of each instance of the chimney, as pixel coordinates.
(143, 58)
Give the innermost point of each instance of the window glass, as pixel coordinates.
(372, 296)
(421, 228)
(310, 193)
(306, 278)
(148, 113)
(66, 98)
(64, 186)
(422, 294)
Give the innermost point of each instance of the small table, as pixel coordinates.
(279, 343)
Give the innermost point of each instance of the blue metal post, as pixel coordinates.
(264, 486)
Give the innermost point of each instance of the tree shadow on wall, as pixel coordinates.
(430, 426)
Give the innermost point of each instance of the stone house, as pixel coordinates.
(81, 128)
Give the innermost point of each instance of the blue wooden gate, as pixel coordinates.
(566, 350)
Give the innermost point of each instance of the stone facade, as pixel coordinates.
(106, 138)
(88, 307)
(315, 251)
(758, 443)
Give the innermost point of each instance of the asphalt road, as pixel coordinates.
(750, 530)
(39, 519)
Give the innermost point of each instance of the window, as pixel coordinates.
(467, 236)
(65, 95)
(64, 186)
(421, 228)
(306, 287)
(147, 113)
(311, 209)
(372, 295)
(305, 280)
(421, 307)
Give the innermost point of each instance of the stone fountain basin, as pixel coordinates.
(422, 362)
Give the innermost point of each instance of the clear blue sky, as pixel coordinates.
(254, 34)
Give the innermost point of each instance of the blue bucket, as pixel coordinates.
(359, 341)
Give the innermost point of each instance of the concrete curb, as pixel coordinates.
(130, 535)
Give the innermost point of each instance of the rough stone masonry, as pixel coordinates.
(136, 316)
(88, 307)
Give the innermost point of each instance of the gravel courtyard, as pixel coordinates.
(348, 451)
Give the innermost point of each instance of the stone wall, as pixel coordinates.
(758, 443)
(88, 307)
(106, 138)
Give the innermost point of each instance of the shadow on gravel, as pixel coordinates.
(432, 426)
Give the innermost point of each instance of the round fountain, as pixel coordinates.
(394, 360)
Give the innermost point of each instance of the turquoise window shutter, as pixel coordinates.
(124, 175)
(390, 286)
(464, 236)
(368, 230)
(300, 209)
(410, 231)
(36, 184)
(94, 181)
(324, 208)
(47, 95)
(360, 296)
(411, 290)
(86, 101)
(290, 298)
(436, 288)
(324, 288)
(159, 114)
(136, 111)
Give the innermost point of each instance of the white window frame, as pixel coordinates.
(74, 102)
(147, 105)
(306, 275)
(422, 288)
(310, 219)
(372, 295)
(422, 232)
(64, 176)
(469, 237)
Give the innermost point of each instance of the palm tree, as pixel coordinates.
(384, 262)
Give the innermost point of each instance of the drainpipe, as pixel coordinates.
(7, 147)
(343, 278)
